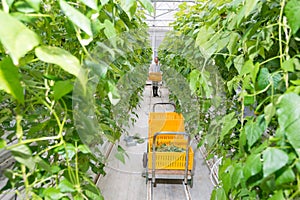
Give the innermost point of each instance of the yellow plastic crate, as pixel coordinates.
(155, 76)
(165, 115)
(171, 160)
(177, 140)
(165, 122)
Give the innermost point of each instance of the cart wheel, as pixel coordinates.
(145, 160)
(154, 184)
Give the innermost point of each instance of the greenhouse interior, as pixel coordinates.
(149, 99)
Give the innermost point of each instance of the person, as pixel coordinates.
(155, 67)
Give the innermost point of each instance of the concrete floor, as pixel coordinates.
(125, 181)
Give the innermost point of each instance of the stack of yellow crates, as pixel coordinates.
(168, 122)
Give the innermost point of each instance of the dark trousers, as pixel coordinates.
(154, 89)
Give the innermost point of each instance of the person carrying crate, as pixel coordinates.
(155, 68)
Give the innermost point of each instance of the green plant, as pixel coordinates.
(45, 48)
(254, 45)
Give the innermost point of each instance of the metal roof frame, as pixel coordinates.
(158, 21)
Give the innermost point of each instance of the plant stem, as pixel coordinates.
(280, 30)
(49, 148)
(33, 140)
(280, 27)
(270, 59)
(76, 165)
(26, 184)
(297, 192)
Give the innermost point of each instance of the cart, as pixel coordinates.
(167, 129)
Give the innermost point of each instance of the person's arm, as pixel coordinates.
(151, 68)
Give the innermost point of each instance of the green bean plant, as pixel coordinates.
(44, 48)
(254, 46)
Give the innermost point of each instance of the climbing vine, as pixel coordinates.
(254, 45)
(45, 46)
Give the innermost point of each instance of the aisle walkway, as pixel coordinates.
(125, 181)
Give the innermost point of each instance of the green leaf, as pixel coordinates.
(233, 41)
(263, 79)
(203, 36)
(92, 191)
(36, 127)
(103, 2)
(16, 38)
(53, 193)
(129, 6)
(249, 100)
(42, 163)
(247, 67)
(59, 57)
(276, 79)
(99, 68)
(77, 17)
(24, 7)
(273, 160)
(218, 194)
(222, 40)
(9, 80)
(298, 165)
(237, 175)
(90, 3)
(147, 5)
(293, 15)
(2, 143)
(113, 93)
(286, 177)
(110, 31)
(55, 169)
(34, 4)
(62, 88)
(120, 155)
(65, 186)
(23, 155)
(70, 150)
(252, 166)
(289, 118)
(270, 111)
(228, 124)
(249, 6)
(295, 82)
(194, 80)
(238, 63)
(78, 197)
(92, 195)
(297, 63)
(254, 130)
(254, 72)
(277, 196)
(204, 81)
(83, 162)
(84, 149)
(288, 65)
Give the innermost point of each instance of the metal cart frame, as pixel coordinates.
(186, 174)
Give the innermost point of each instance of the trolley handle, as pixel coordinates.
(154, 105)
(186, 151)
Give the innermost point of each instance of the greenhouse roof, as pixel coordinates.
(159, 21)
